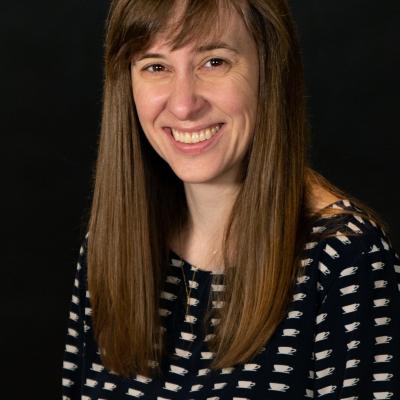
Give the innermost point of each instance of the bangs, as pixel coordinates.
(140, 22)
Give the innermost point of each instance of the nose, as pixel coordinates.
(185, 101)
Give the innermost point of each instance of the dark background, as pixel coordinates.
(51, 85)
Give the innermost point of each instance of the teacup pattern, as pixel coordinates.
(339, 338)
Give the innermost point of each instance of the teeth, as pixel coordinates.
(195, 137)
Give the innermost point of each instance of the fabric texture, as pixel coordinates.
(340, 338)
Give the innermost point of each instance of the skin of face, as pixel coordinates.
(186, 88)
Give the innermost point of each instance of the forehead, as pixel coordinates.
(222, 25)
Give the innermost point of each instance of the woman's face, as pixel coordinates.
(204, 94)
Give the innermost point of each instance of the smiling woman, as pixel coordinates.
(218, 264)
(204, 95)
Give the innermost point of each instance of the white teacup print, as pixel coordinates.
(349, 289)
(72, 332)
(190, 318)
(352, 363)
(192, 301)
(217, 288)
(382, 377)
(348, 271)
(73, 316)
(377, 265)
(381, 302)
(382, 358)
(350, 308)
(172, 386)
(96, 367)
(331, 251)
(182, 353)
(320, 318)
(291, 332)
(380, 284)
(134, 393)
(245, 384)
(323, 268)
(350, 382)
(302, 279)
(142, 378)
(178, 370)
(352, 326)
(91, 382)
(299, 296)
(286, 350)
(209, 336)
(71, 349)
(109, 386)
(164, 312)
(67, 382)
(321, 336)
(173, 279)
(69, 365)
(227, 370)
(203, 371)
(324, 372)
(219, 385)
(218, 304)
(382, 321)
(188, 336)
(382, 395)
(343, 238)
(280, 387)
(322, 354)
(251, 367)
(309, 393)
(284, 369)
(353, 344)
(168, 296)
(327, 390)
(382, 339)
(306, 262)
(206, 355)
(294, 314)
(196, 388)
(193, 284)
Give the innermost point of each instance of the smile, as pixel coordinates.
(195, 137)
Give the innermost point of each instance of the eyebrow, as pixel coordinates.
(200, 49)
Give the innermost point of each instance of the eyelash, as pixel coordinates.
(211, 59)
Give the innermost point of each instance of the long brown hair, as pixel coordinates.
(138, 202)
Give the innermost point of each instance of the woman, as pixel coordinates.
(218, 264)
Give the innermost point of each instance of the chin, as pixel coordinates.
(194, 177)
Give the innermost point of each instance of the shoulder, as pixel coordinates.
(354, 247)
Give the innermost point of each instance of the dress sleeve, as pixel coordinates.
(357, 328)
(74, 340)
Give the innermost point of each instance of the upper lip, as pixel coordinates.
(195, 128)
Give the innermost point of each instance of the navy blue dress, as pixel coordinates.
(340, 338)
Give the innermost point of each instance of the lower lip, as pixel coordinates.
(195, 148)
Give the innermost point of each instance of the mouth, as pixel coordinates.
(194, 137)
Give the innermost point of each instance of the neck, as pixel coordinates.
(209, 208)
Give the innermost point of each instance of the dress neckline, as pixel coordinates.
(341, 203)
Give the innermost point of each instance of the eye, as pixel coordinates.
(213, 62)
(154, 68)
(216, 62)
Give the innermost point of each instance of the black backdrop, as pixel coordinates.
(51, 76)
